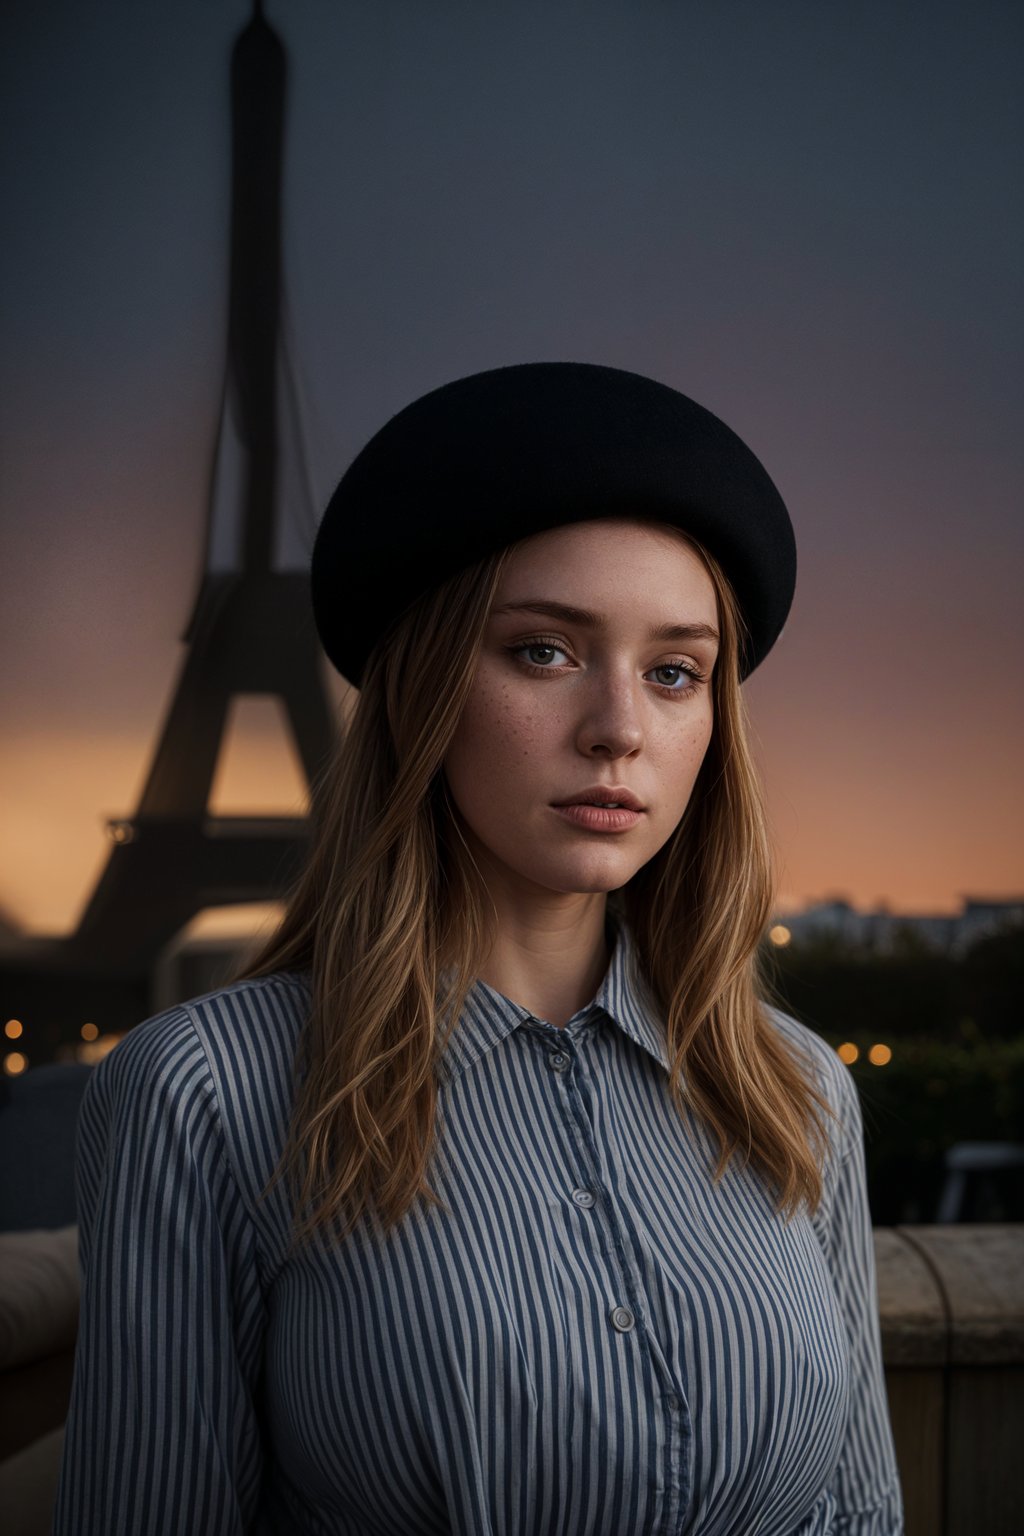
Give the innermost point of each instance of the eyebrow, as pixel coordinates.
(588, 620)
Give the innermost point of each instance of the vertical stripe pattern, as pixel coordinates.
(587, 1339)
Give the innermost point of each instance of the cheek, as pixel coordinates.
(689, 752)
(492, 743)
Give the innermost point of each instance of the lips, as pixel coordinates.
(599, 795)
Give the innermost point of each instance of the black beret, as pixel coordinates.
(483, 461)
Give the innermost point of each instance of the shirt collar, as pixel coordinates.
(624, 997)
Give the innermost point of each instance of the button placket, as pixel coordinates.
(622, 1319)
(559, 1061)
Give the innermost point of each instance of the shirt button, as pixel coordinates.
(583, 1197)
(559, 1061)
(622, 1319)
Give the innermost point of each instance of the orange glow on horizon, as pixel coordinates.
(874, 832)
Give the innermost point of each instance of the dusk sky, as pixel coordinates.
(806, 216)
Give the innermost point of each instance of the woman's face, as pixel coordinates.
(561, 703)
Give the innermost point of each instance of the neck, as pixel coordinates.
(550, 953)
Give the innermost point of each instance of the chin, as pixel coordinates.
(587, 877)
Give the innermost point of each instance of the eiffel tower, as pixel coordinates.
(251, 630)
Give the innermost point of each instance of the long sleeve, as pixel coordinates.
(865, 1484)
(162, 1436)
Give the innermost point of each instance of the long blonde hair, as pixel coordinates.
(390, 913)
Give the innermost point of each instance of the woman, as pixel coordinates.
(494, 1197)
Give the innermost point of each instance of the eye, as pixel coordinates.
(538, 645)
(686, 679)
(686, 676)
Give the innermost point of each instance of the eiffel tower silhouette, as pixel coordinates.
(251, 629)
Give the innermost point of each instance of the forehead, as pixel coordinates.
(620, 562)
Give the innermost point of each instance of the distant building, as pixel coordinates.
(980, 918)
(879, 930)
(835, 917)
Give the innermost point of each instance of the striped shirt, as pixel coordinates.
(591, 1341)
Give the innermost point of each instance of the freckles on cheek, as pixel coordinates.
(493, 724)
(513, 726)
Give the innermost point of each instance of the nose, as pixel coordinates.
(611, 723)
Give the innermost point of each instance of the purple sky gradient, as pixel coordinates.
(807, 217)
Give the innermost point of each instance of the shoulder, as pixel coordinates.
(249, 1030)
(238, 1030)
(828, 1072)
(224, 1060)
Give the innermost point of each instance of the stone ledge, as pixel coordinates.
(951, 1294)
